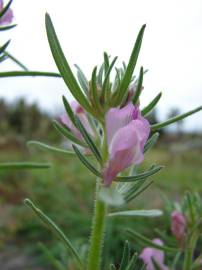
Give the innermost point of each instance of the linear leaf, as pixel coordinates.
(132, 195)
(125, 257)
(14, 59)
(150, 143)
(28, 73)
(137, 213)
(55, 229)
(82, 79)
(100, 75)
(148, 242)
(5, 9)
(23, 165)
(63, 65)
(88, 139)
(7, 27)
(139, 176)
(132, 261)
(130, 68)
(86, 162)
(66, 133)
(151, 105)
(105, 87)
(68, 109)
(106, 62)
(2, 49)
(95, 90)
(139, 87)
(175, 119)
(49, 147)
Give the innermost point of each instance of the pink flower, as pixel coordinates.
(7, 17)
(80, 112)
(178, 225)
(158, 256)
(127, 133)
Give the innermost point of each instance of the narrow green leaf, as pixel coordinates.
(148, 242)
(44, 146)
(3, 58)
(2, 49)
(140, 176)
(151, 142)
(15, 60)
(106, 62)
(82, 79)
(5, 9)
(132, 262)
(139, 87)
(137, 213)
(95, 90)
(23, 165)
(130, 68)
(151, 105)
(132, 196)
(55, 229)
(155, 264)
(63, 65)
(125, 257)
(105, 87)
(7, 27)
(100, 75)
(66, 133)
(68, 109)
(86, 162)
(28, 73)
(56, 263)
(88, 140)
(175, 119)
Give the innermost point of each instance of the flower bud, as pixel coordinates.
(178, 225)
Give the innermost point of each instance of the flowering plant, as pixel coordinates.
(106, 123)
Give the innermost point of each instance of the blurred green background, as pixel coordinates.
(65, 192)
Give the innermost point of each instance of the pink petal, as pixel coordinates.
(178, 225)
(124, 150)
(118, 118)
(7, 17)
(1, 4)
(148, 253)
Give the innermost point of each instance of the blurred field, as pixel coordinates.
(65, 193)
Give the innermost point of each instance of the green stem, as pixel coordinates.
(189, 252)
(97, 235)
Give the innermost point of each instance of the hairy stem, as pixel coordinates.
(97, 235)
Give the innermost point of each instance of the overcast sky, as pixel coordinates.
(172, 47)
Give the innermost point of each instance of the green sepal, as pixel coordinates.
(56, 230)
(175, 119)
(86, 163)
(63, 65)
(137, 213)
(151, 105)
(66, 133)
(49, 147)
(23, 165)
(138, 88)
(141, 176)
(148, 242)
(111, 196)
(122, 91)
